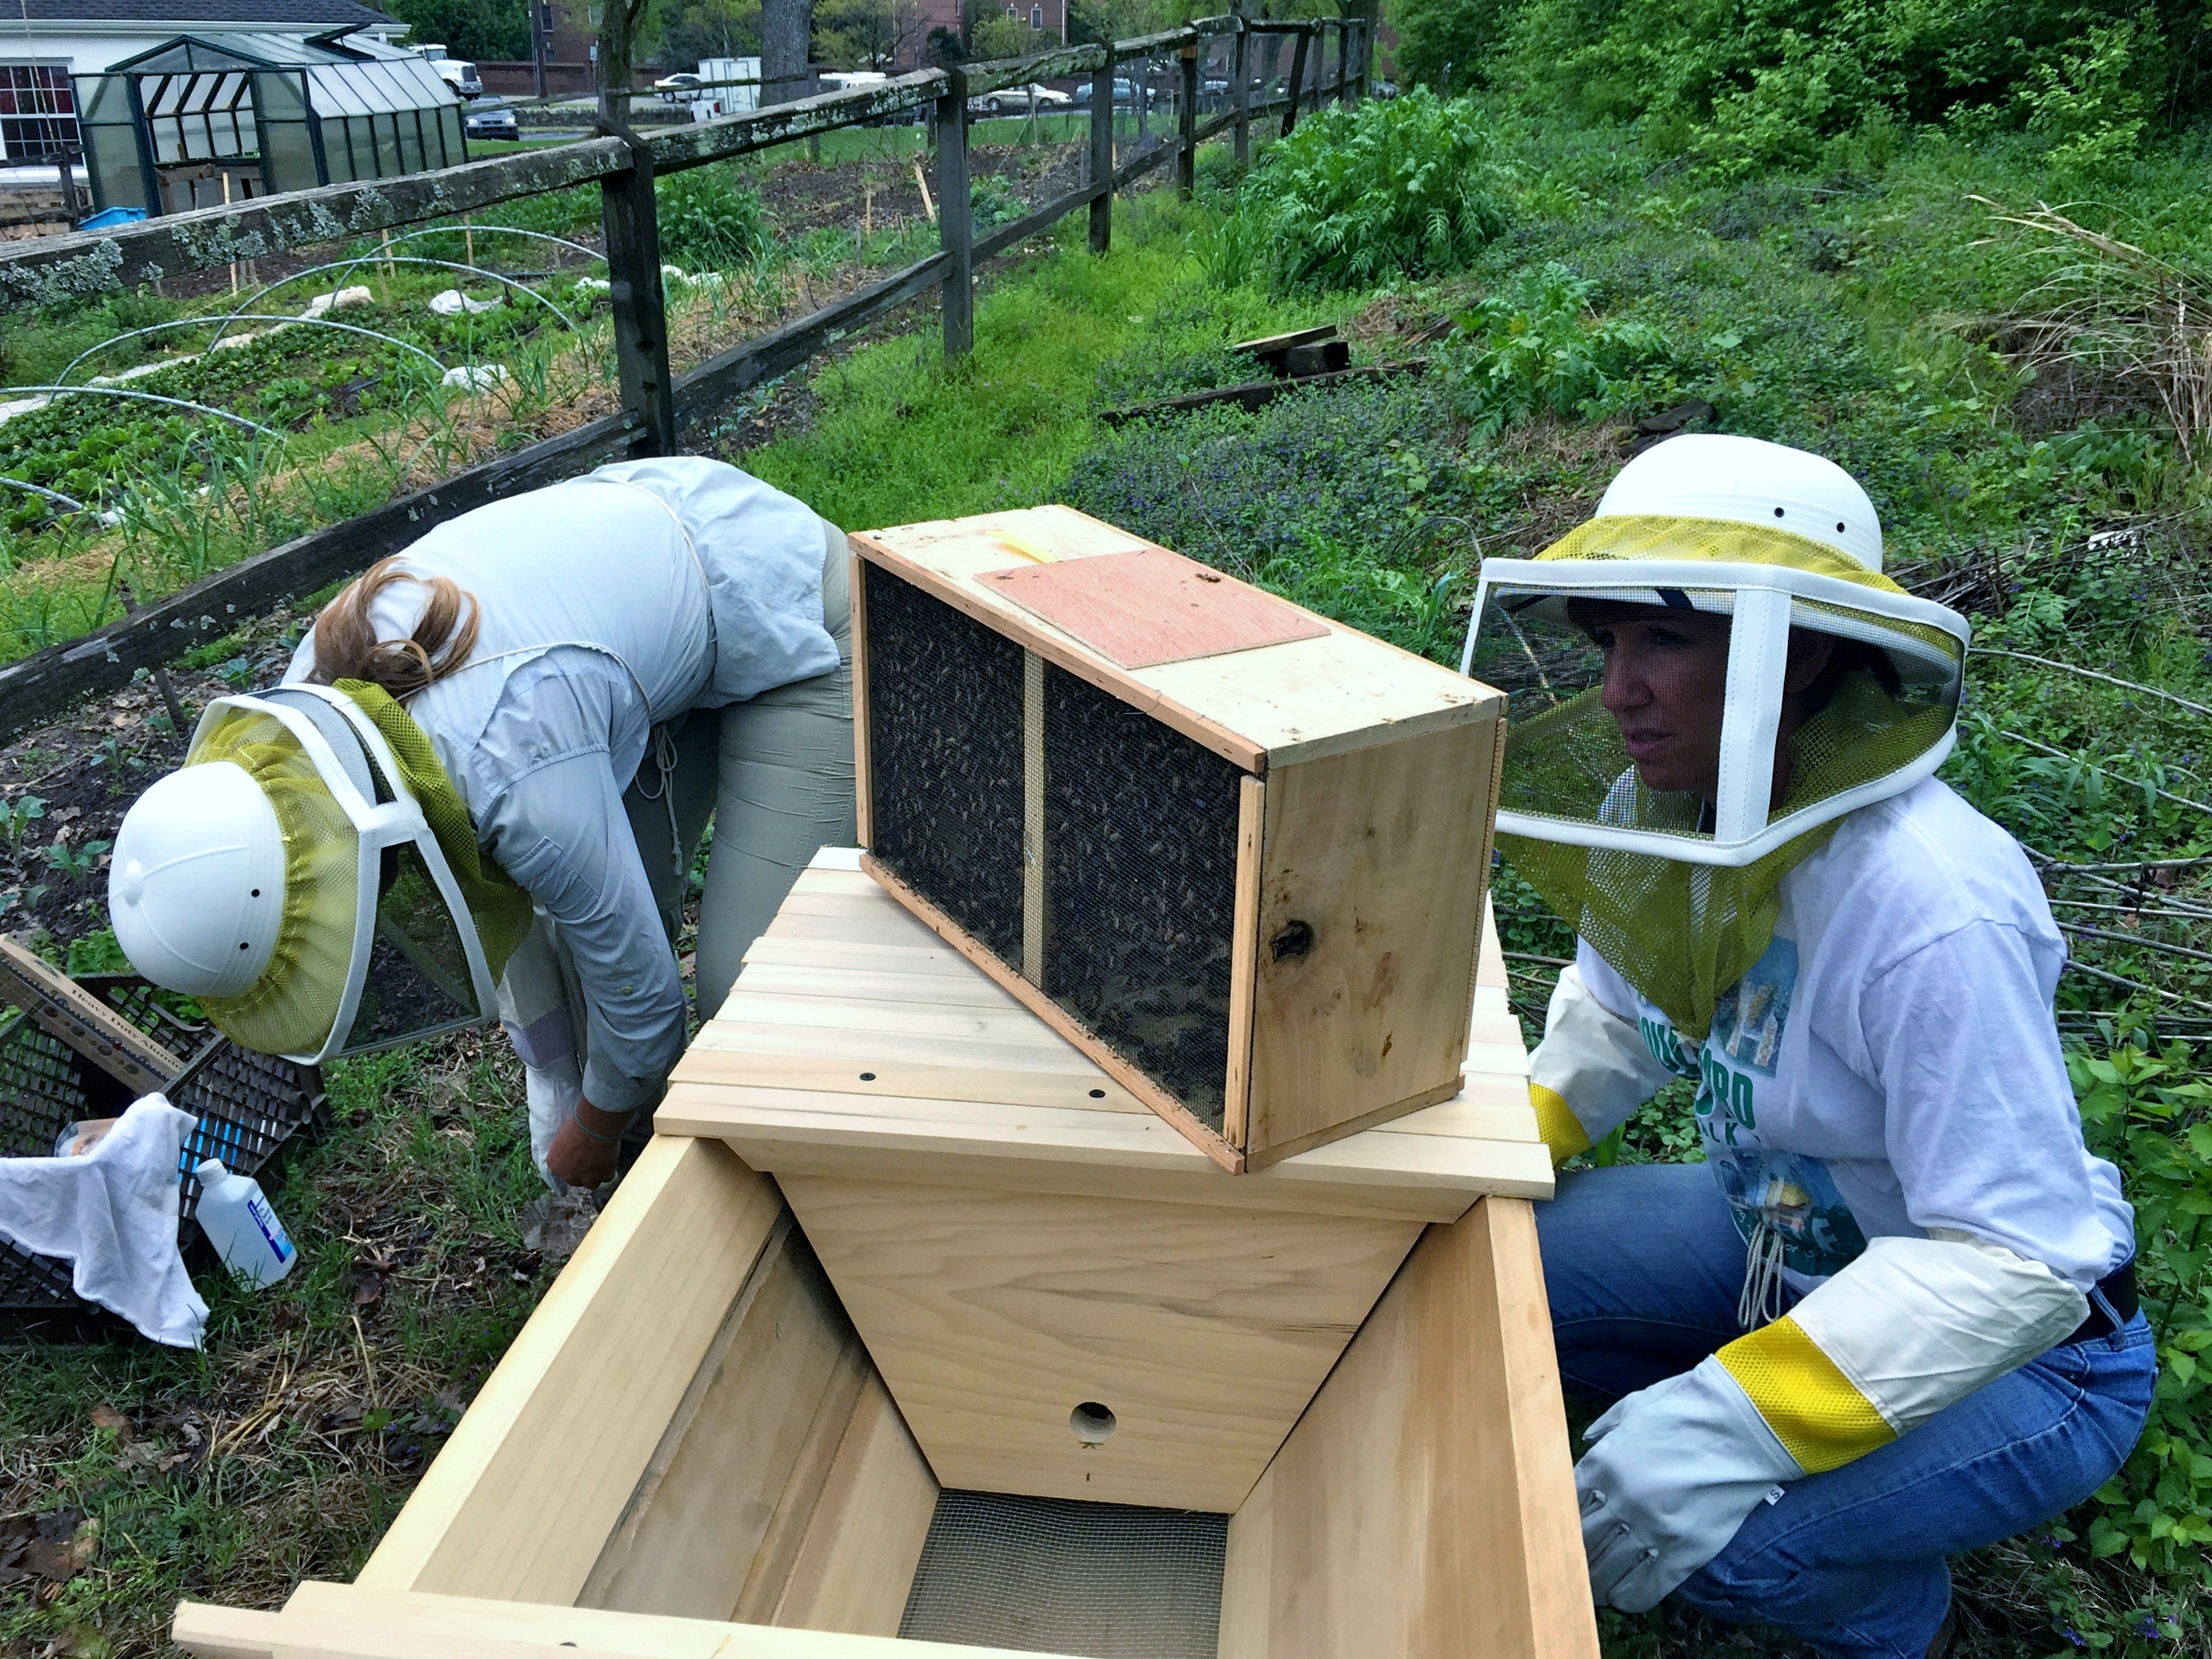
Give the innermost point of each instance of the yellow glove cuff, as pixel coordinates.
(1821, 1419)
(1561, 1130)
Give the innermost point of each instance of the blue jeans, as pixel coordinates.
(1643, 1266)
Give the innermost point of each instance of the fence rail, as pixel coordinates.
(655, 404)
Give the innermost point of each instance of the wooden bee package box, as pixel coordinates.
(1234, 851)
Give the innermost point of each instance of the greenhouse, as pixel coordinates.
(209, 119)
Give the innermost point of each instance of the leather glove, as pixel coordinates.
(1672, 1470)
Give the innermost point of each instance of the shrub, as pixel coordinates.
(1537, 348)
(1357, 196)
(708, 221)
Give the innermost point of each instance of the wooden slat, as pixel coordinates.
(1150, 606)
(715, 1521)
(1244, 943)
(992, 1314)
(1424, 1507)
(353, 1622)
(857, 1560)
(864, 771)
(62, 1008)
(996, 74)
(749, 130)
(540, 1468)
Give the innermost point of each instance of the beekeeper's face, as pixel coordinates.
(1666, 680)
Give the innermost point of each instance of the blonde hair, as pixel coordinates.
(346, 646)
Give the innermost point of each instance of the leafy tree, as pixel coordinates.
(865, 34)
(694, 29)
(470, 28)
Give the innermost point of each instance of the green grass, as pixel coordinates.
(902, 434)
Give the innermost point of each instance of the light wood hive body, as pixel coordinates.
(1234, 851)
(890, 1226)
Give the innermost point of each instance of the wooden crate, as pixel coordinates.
(1235, 852)
(719, 1439)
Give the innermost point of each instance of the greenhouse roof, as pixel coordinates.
(347, 77)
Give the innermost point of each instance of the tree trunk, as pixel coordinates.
(787, 27)
(618, 27)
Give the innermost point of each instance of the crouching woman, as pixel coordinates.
(1893, 1318)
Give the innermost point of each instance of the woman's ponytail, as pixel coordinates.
(346, 646)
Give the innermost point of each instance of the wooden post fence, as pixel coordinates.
(636, 298)
(956, 217)
(1102, 176)
(655, 405)
(1240, 88)
(1297, 79)
(1186, 139)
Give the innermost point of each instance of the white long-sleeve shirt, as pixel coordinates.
(610, 603)
(1883, 1094)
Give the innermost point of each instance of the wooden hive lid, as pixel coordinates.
(1329, 691)
(858, 1042)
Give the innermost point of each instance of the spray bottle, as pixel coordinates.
(240, 1224)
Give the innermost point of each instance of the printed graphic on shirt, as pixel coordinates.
(1665, 1046)
(1747, 1025)
(1791, 1193)
(1794, 1194)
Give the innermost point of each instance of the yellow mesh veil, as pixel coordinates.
(1682, 933)
(289, 1008)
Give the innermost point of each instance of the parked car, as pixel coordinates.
(460, 75)
(1125, 92)
(492, 117)
(680, 88)
(1016, 100)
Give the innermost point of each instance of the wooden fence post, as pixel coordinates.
(1240, 86)
(956, 217)
(1187, 140)
(634, 294)
(1102, 155)
(1297, 78)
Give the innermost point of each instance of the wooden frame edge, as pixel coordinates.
(1244, 950)
(1102, 1054)
(863, 774)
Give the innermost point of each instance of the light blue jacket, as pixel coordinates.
(610, 603)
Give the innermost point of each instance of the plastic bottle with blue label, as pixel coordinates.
(240, 1224)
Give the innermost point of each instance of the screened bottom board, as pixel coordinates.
(1045, 1575)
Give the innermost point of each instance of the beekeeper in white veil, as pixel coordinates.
(484, 778)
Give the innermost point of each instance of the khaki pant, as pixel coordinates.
(776, 774)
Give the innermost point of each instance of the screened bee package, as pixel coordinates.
(1234, 851)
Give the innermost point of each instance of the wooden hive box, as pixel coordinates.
(1235, 852)
(724, 1434)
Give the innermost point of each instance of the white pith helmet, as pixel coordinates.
(1748, 480)
(195, 888)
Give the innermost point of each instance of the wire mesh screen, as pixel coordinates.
(945, 757)
(1047, 1575)
(248, 1105)
(1140, 874)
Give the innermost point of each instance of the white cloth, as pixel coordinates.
(1889, 1067)
(113, 1214)
(609, 604)
(551, 1092)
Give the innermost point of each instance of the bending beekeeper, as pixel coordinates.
(1894, 1317)
(483, 781)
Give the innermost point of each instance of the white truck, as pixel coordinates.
(709, 100)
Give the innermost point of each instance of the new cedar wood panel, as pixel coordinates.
(1247, 878)
(1423, 1509)
(1015, 1235)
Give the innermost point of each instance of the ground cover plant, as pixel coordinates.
(1881, 288)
